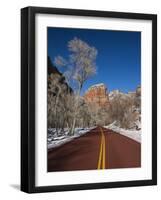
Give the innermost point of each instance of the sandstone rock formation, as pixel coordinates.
(97, 94)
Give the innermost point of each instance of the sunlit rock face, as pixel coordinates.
(138, 91)
(97, 94)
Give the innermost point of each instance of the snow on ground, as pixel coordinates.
(133, 134)
(55, 141)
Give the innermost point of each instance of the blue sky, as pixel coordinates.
(118, 60)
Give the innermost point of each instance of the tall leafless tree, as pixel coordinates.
(81, 66)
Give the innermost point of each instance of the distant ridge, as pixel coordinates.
(53, 70)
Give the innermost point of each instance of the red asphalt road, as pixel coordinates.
(83, 153)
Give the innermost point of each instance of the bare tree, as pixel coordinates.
(81, 66)
(122, 110)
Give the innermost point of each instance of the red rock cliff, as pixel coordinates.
(97, 94)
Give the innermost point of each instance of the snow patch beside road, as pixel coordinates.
(133, 134)
(56, 141)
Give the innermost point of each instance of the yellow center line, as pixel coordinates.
(102, 152)
(100, 155)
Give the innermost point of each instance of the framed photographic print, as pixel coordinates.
(88, 99)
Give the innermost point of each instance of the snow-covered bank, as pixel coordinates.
(55, 141)
(133, 134)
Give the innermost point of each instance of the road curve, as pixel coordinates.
(83, 153)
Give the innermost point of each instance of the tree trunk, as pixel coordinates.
(76, 108)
